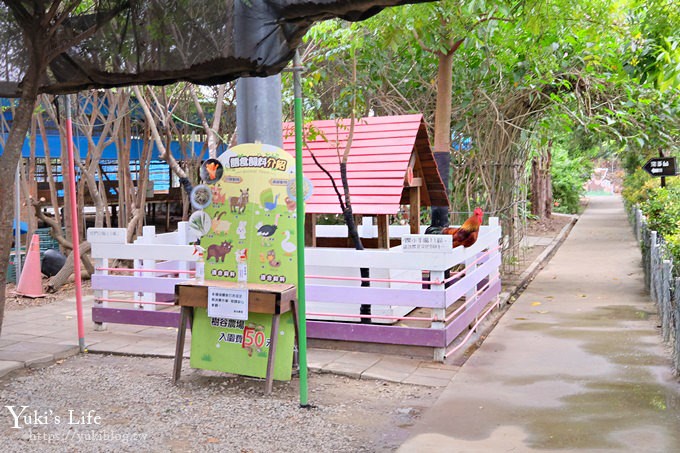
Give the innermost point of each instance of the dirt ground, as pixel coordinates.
(546, 227)
(140, 410)
(549, 229)
(134, 395)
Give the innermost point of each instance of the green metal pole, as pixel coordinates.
(300, 211)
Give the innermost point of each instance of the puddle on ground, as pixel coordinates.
(627, 399)
(587, 420)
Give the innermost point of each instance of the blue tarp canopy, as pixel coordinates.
(110, 152)
(23, 227)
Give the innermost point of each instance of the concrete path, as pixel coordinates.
(38, 336)
(576, 364)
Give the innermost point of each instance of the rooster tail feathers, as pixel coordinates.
(434, 230)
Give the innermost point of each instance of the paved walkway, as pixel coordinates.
(576, 364)
(38, 336)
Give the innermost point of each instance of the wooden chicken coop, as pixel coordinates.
(390, 165)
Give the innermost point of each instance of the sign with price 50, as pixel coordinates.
(253, 338)
(242, 347)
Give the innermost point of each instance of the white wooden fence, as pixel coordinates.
(452, 288)
(159, 262)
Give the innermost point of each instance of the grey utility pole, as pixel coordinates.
(258, 110)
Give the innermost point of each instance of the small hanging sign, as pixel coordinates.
(426, 242)
(229, 303)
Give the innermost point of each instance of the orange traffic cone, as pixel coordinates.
(30, 282)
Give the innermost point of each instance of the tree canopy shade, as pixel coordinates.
(109, 43)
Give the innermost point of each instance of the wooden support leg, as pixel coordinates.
(296, 354)
(269, 382)
(185, 316)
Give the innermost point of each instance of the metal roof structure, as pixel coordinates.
(386, 153)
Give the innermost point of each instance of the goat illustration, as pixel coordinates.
(238, 204)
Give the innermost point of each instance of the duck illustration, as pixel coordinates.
(288, 246)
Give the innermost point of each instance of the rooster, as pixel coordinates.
(212, 167)
(466, 234)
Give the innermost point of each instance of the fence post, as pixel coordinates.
(98, 293)
(646, 250)
(676, 327)
(148, 237)
(471, 296)
(439, 314)
(665, 299)
(653, 256)
(183, 239)
(496, 273)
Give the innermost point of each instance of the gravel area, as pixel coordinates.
(99, 403)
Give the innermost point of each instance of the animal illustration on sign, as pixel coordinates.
(219, 251)
(267, 231)
(241, 230)
(287, 246)
(270, 205)
(271, 257)
(218, 196)
(238, 204)
(290, 204)
(241, 255)
(220, 226)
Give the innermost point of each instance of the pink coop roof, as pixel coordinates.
(383, 149)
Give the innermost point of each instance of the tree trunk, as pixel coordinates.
(63, 275)
(353, 233)
(48, 168)
(541, 186)
(163, 152)
(8, 165)
(442, 131)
